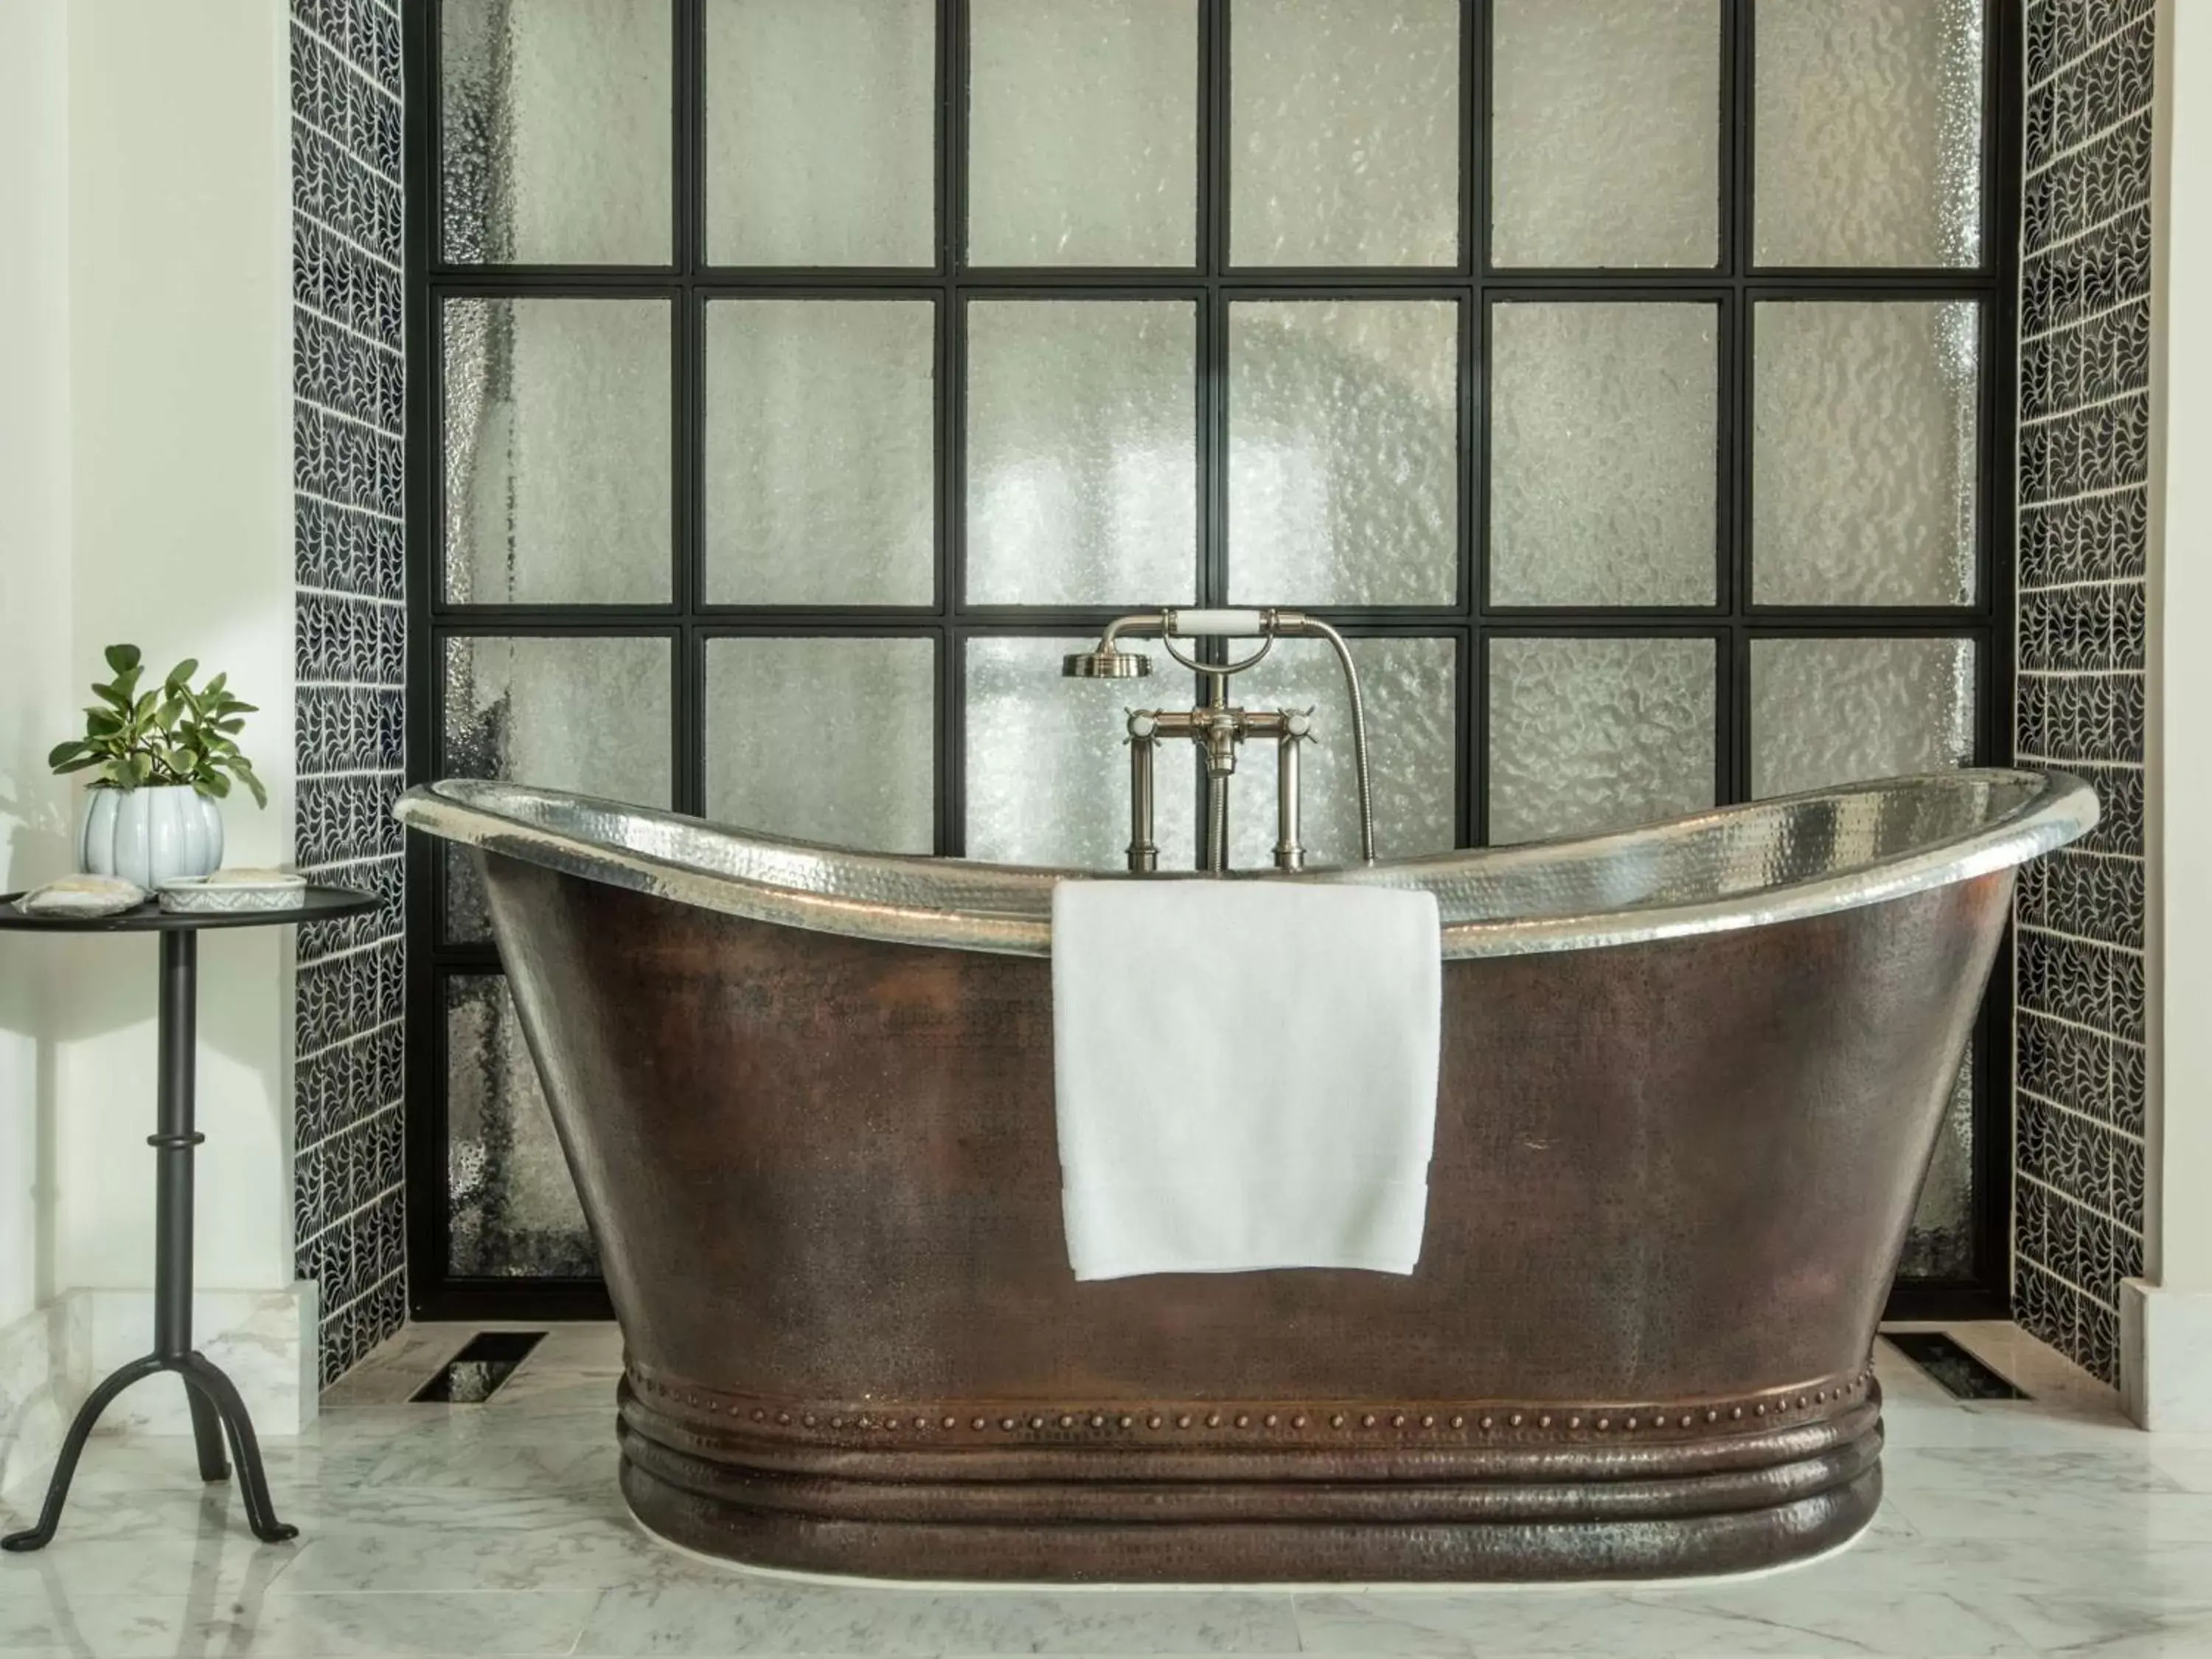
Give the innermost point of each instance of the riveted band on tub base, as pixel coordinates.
(1373, 1513)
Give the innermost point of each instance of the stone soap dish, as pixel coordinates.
(82, 897)
(227, 892)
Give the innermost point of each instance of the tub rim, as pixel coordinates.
(1005, 910)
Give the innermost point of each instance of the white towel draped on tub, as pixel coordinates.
(1246, 1074)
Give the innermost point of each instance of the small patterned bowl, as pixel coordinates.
(227, 892)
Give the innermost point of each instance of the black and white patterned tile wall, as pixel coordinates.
(349, 385)
(2084, 471)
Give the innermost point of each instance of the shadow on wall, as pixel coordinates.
(79, 1010)
(34, 846)
(77, 1022)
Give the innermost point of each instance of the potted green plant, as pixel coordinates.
(165, 757)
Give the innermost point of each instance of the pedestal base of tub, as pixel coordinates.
(1256, 1492)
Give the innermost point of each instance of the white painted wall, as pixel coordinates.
(2180, 1240)
(145, 494)
(2167, 1318)
(34, 605)
(180, 482)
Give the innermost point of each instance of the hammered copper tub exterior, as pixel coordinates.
(1670, 1184)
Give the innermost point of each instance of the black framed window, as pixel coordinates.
(791, 380)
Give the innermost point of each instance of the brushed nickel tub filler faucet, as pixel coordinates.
(1219, 729)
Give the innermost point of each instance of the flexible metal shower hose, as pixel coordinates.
(1358, 738)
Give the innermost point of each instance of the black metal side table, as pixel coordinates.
(215, 1406)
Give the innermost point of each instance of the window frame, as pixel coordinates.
(1734, 285)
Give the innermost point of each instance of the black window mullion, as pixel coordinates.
(687, 720)
(1214, 450)
(1736, 424)
(1738, 186)
(954, 58)
(429, 1214)
(1213, 198)
(1471, 784)
(1728, 690)
(952, 404)
(688, 154)
(688, 398)
(687, 476)
(1474, 145)
(1474, 781)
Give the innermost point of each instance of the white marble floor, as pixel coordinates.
(2018, 1528)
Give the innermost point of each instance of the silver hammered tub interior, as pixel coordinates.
(1735, 867)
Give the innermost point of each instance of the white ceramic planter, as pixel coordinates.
(151, 834)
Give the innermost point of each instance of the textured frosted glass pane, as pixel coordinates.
(821, 452)
(1082, 452)
(821, 132)
(556, 451)
(1603, 452)
(1048, 765)
(1863, 451)
(1839, 711)
(1344, 452)
(1083, 132)
(1605, 140)
(1588, 735)
(1940, 1243)
(560, 712)
(1410, 688)
(1870, 124)
(555, 126)
(513, 1209)
(824, 740)
(1344, 132)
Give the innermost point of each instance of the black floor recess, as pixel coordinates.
(473, 1375)
(1960, 1374)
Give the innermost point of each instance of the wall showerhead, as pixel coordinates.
(1105, 665)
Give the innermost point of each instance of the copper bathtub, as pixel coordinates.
(1692, 1078)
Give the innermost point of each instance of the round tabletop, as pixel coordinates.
(316, 904)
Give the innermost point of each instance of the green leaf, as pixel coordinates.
(174, 734)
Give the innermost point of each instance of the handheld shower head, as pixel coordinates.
(1105, 665)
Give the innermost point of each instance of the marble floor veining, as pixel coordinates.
(2045, 1526)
